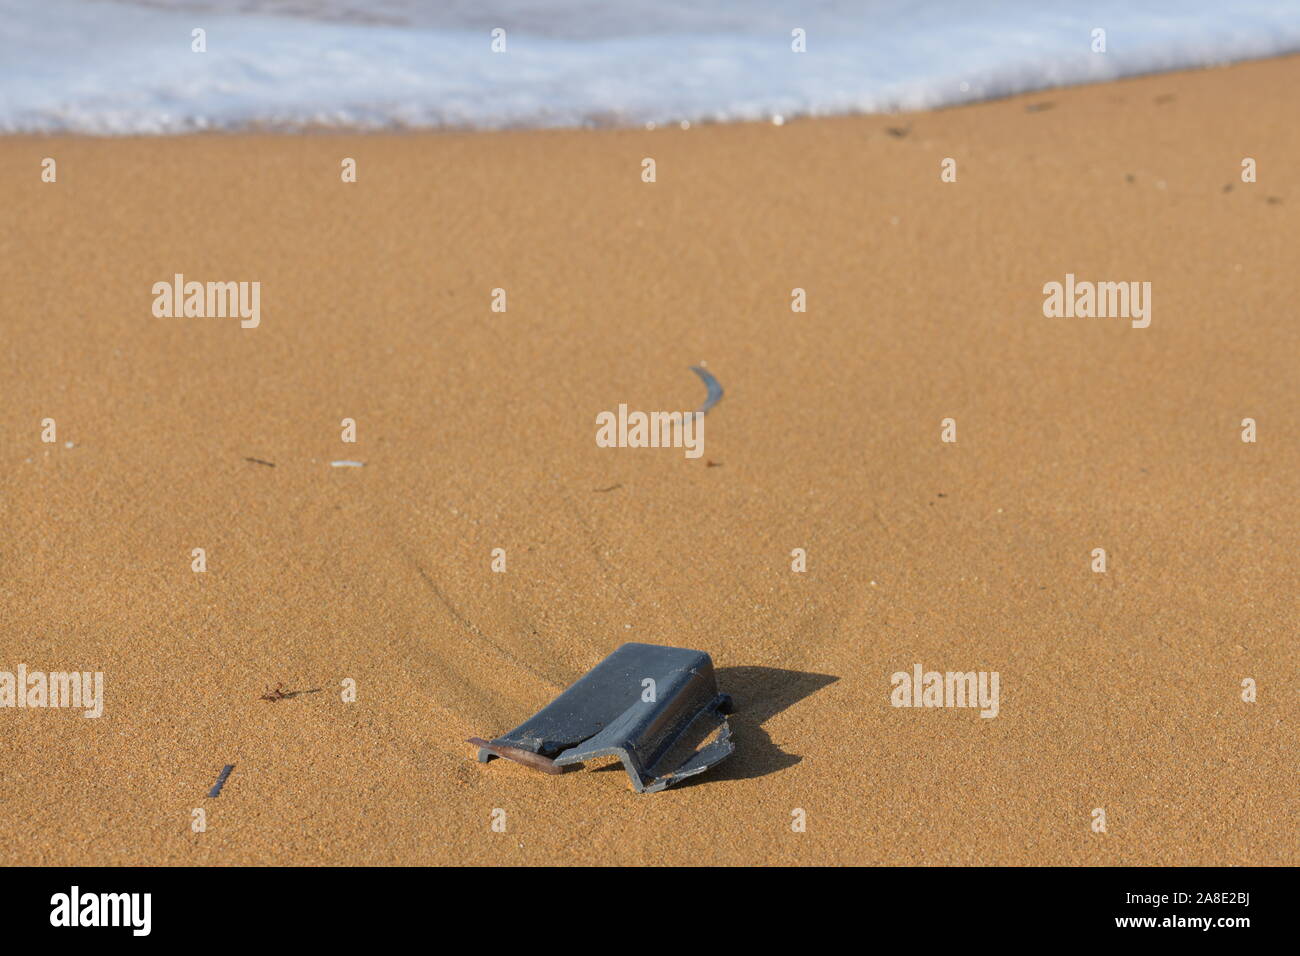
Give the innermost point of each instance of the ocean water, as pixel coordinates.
(126, 66)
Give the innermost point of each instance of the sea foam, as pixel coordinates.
(100, 67)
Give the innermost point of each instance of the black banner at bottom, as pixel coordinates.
(282, 907)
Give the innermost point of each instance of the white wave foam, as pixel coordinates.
(89, 66)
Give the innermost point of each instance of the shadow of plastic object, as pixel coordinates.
(650, 706)
(766, 692)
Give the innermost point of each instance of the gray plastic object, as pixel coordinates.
(655, 729)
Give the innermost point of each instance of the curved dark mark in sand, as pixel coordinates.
(610, 488)
(474, 629)
(711, 383)
(593, 548)
(259, 461)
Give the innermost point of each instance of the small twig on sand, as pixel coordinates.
(277, 693)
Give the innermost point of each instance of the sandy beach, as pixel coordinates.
(1120, 691)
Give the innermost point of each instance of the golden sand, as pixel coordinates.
(1120, 691)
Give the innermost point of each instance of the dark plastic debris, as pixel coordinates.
(713, 386)
(221, 780)
(613, 710)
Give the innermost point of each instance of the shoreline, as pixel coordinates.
(399, 130)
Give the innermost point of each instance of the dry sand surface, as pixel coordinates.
(1119, 690)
